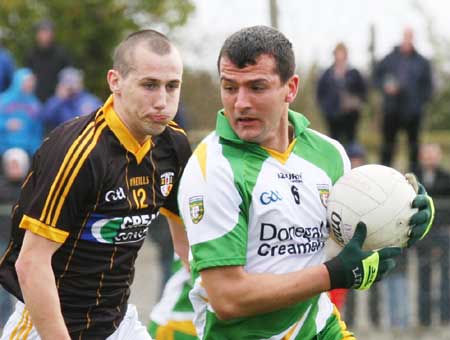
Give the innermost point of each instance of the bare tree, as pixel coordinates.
(273, 13)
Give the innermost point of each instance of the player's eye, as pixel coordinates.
(151, 85)
(229, 87)
(173, 86)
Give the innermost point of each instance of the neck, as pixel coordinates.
(283, 137)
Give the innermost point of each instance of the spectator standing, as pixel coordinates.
(6, 69)
(404, 78)
(20, 121)
(70, 99)
(436, 247)
(46, 59)
(341, 92)
(15, 164)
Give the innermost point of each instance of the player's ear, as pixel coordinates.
(292, 84)
(114, 81)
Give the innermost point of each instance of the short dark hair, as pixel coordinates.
(246, 45)
(124, 53)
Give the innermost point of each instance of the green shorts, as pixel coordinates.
(335, 329)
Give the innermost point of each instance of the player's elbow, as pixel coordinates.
(226, 311)
(227, 306)
(24, 267)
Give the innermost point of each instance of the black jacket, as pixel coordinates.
(412, 73)
(328, 90)
(46, 64)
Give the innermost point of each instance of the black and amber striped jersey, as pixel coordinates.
(94, 189)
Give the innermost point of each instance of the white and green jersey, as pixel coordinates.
(244, 205)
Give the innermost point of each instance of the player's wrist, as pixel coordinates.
(336, 271)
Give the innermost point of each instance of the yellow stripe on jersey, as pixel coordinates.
(55, 187)
(281, 157)
(177, 128)
(344, 331)
(75, 171)
(171, 215)
(200, 153)
(291, 332)
(42, 229)
(26, 180)
(29, 329)
(18, 326)
(26, 328)
(167, 331)
(123, 134)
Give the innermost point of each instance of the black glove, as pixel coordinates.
(422, 220)
(355, 268)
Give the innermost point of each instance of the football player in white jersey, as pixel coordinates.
(253, 198)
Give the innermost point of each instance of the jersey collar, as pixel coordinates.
(224, 130)
(123, 134)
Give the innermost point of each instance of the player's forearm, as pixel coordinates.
(37, 283)
(254, 294)
(180, 240)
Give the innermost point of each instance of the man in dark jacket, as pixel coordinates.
(404, 78)
(341, 92)
(46, 59)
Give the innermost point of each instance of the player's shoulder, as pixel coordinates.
(325, 152)
(208, 157)
(325, 144)
(74, 130)
(177, 132)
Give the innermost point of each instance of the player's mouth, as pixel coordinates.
(244, 122)
(160, 118)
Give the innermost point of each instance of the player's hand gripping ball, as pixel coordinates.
(393, 207)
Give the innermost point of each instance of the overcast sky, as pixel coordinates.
(313, 26)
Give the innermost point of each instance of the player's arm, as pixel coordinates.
(37, 282)
(235, 293)
(179, 239)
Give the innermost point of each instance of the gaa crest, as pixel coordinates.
(324, 193)
(166, 183)
(196, 208)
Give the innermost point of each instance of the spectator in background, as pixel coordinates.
(436, 247)
(70, 99)
(20, 122)
(6, 69)
(15, 164)
(404, 78)
(341, 93)
(46, 59)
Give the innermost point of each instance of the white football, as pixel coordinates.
(377, 195)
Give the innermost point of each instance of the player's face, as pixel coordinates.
(149, 94)
(255, 100)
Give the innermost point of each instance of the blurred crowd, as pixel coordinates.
(48, 90)
(404, 80)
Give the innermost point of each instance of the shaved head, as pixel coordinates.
(123, 59)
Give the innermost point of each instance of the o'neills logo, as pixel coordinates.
(291, 177)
